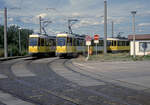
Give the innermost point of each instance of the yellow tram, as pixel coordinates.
(118, 45)
(40, 45)
(72, 45)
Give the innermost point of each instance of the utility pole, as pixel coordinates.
(133, 29)
(112, 29)
(19, 41)
(5, 34)
(105, 27)
(40, 19)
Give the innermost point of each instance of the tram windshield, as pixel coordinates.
(33, 41)
(61, 41)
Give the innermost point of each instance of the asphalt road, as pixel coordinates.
(54, 81)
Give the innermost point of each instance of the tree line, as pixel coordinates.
(13, 40)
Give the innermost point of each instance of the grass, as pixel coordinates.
(113, 57)
(13, 52)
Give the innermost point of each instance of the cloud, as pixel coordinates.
(43, 15)
(10, 19)
(89, 12)
(26, 20)
(76, 14)
(143, 24)
(87, 22)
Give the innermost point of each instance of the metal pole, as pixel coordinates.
(5, 34)
(105, 27)
(40, 24)
(88, 52)
(133, 29)
(19, 42)
(112, 29)
(96, 49)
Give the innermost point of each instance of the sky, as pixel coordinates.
(89, 13)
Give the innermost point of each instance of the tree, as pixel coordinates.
(13, 39)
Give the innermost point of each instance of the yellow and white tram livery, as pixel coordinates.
(70, 45)
(118, 45)
(40, 45)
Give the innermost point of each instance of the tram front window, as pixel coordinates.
(33, 41)
(61, 41)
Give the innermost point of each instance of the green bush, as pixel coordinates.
(1, 52)
(13, 50)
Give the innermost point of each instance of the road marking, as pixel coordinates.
(2, 76)
(89, 67)
(20, 70)
(8, 99)
(75, 77)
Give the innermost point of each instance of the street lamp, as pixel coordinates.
(19, 40)
(133, 29)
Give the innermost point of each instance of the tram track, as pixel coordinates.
(121, 102)
(32, 87)
(134, 93)
(48, 87)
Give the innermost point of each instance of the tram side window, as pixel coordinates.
(78, 43)
(101, 43)
(123, 43)
(39, 42)
(49, 42)
(46, 42)
(127, 43)
(71, 41)
(82, 42)
(74, 42)
(111, 43)
(42, 42)
(54, 42)
(114, 43)
(119, 43)
(68, 41)
(108, 43)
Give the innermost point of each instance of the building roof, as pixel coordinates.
(140, 37)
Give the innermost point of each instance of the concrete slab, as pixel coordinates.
(2, 76)
(20, 70)
(143, 81)
(135, 75)
(8, 99)
(76, 78)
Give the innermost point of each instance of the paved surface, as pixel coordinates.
(134, 73)
(53, 81)
(11, 100)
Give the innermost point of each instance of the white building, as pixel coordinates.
(142, 44)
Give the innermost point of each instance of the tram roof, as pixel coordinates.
(41, 36)
(117, 39)
(70, 35)
(65, 35)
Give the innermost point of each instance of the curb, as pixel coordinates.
(10, 58)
